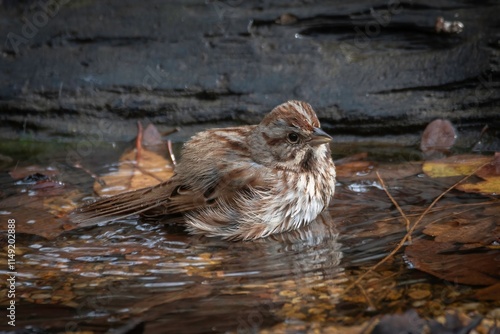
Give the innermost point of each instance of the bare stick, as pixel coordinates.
(138, 142)
(410, 231)
(405, 217)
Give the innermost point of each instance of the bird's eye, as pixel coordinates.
(293, 138)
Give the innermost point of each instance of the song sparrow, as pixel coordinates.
(242, 182)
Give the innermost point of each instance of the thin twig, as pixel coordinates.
(367, 298)
(405, 217)
(410, 231)
(138, 143)
(89, 172)
(169, 132)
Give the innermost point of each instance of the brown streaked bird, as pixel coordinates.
(239, 183)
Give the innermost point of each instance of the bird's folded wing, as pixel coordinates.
(122, 205)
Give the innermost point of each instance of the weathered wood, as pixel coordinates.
(85, 67)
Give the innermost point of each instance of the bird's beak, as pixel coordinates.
(319, 137)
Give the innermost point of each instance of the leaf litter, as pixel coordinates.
(464, 250)
(40, 202)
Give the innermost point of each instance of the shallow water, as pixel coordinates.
(135, 275)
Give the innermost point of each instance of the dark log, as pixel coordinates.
(73, 68)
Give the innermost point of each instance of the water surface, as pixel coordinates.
(138, 275)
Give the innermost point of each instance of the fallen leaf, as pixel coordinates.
(150, 170)
(37, 207)
(152, 137)
(396, 172)
(491, 170)
(36, 172)
(442, 259)
(141, 167)
(37, 222)
(438, 136)
(490, 186)
(462, 165)
(365, 170)
(458, 165)
(491, 175)
(489, 293)
(462, 230)
(60, 205)
(354, 168)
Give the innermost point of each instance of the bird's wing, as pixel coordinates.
(122, 205)
(167, 198)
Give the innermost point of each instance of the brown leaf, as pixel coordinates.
(489, 293)
(141, 167)
(443, 260)
(37, 208)
(396, 172)
(37, 222)
(19, 173)
(492, 170)
(152, 137)
(365, 170)
(438, 136)
(464, 231)
(354, 168)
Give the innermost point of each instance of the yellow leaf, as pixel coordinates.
(490, 186)
(454, 166)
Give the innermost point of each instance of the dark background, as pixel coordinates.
(371, 69)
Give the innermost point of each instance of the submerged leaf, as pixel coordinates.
(464, 230)
(354, 168)
(444, 260)
(37, 222)
(489, 293)
(38, 204)
(33, 172)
